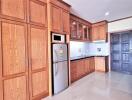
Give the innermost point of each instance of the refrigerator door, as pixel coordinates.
(59, 52)
(60, 76)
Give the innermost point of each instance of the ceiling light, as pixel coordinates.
(107, 14)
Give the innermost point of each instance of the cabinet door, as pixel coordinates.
(15, 67)
(66, 22)
(73, 29)
(80, 31)
(15, 88)
(100, 64)
(38, 13)
(102, 32)
(14, 48)
(56, 18)
(95, 33)
(87, 69)
(86, 32)
(14, 9)
(73, 70)
(92, 64)
(80, 68)
(38, 62)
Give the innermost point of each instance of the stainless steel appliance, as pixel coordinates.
(60, 67)
(58, 38)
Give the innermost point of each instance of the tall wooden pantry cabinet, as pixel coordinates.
(23, 50)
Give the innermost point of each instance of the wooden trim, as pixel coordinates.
(15, 18)
(99, 23)
(64, 3)
(81, 18)
(120, 19)
(39, 97)
(1, 87)
(39, 70)
(60, 4)
(29, 61)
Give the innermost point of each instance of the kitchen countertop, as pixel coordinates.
(83, 57)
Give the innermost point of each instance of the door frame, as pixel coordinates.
(109, 40)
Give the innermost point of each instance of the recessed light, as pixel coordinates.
(107, 14)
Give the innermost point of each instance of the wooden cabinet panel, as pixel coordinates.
(73, 29)
(14, 9)
(15, 89)
(56, 18)
(38, 48)
(14, 51)
(87, 69)
(40, 83)
(82, 67)
(92, 64)
(73, 70)
(99, 31)
(100, 64)
(102, 30)
(38, 72)
(95, 32)
(66, 21)
(80, 29)
(38, 13)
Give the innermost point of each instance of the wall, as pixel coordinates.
(120, 25)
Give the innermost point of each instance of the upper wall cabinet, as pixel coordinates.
(79, 28)
(60, 17)
(13, 9)
(38, 12)
(99, 31)
(66, 21)
(56, 20)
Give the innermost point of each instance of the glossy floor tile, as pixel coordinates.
(98, 86)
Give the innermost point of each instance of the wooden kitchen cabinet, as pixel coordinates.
(56, 18)
(73, 29)
(14, 9)
(81, 68)
(92, 64)
(14, 68)
(38, 12)
(38, 72)
(66, 21)
(100, 64)
(99, 31)
(59, 17)
(87, 65)
(80, 29)
(73, 70)
(86, 32)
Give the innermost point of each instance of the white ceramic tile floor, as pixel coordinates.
(98, 86)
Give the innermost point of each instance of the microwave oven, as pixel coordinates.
(58, 38)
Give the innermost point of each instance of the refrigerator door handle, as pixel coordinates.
(55, 69)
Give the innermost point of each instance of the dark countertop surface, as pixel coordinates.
(83, 57)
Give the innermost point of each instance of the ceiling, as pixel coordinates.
(98, 10)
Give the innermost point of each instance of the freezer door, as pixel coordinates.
(60, 76)
(59, 52)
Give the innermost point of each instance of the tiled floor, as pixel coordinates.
(98, 86)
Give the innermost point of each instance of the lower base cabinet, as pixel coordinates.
(81, 68)
(100, 64)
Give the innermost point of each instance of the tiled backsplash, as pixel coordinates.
(85, 49)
